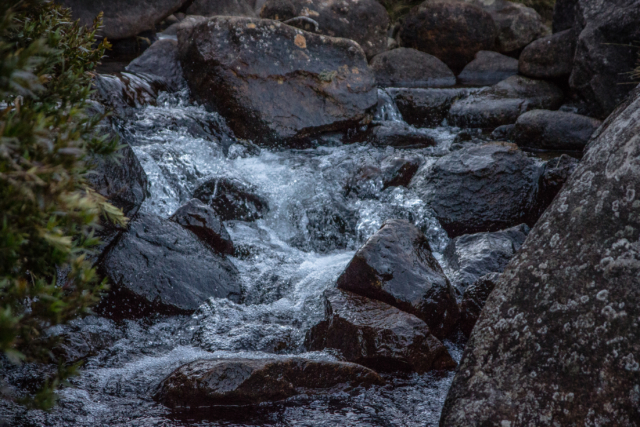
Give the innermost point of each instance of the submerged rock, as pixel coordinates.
(558, 338)
(425, 107)
(404, 67)
(283, 84)
(204, 222)
(473, 301)
(549, 57)
(554, 130)
(487, 69)
(206, 383)
(161, 59)
(232, 199)
(396, 266)
(377, 335)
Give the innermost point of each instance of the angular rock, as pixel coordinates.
(473, 301)
(204, 222)
(218, 382)
(549, 57)
(404, 67)
(283, 84)
(398, 134)
(470, 256)
(396, 266)
(160, 59)
(558, 338)
(488, 69)
(232, 199)
(556, 172)
(377, 335)
(221, 8)
(123, 18)
(452, 31)
(425, 107)
(503, 103)
(554, 130)
(151, 270)
(481, 188)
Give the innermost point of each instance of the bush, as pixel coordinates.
(48, 215)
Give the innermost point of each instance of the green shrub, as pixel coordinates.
(48, 215)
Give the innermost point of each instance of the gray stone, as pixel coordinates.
(404, 67)
(488, 69)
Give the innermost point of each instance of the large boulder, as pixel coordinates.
(274, 83)
(503, 103)
(232, 199)
(471, 256)
(205, 223)
(161, 60)
(404, 67)
(377, 335)
(559, 338)
(396, 266)
(549, 57)
(425, 107)
(220, 7)
(485, 187)
(605, 53)
(452, 31)
(219, 382)
(122, 18)
(488, 69)
(151, 270)
(473, 301)
(554, 130)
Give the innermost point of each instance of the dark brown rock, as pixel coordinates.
(452, 31)
(206, 383)
(488, 69)
(404, 67)
(377, 335)
(283, 84)
(396, 266)
(425, 107)
(205, 223)
(554, 130)
(232, 199)
(549, 57)
(473, 301)
(221, 8)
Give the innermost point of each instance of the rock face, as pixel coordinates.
(605, 52)
(221, 7)
(549, 57)
(232, 199)
(470, 256)
(123, 18)
(554, 130)
(503, 103)
(558, 338)
(425, 107)
(405, 67)
(488, 69)
(204, 222)
(206, 383)
(161, 60)
(150, 269)
(452, 31)
(282, 85)
(396, 266)
(473, 301)
(480, 188)
(377, 335)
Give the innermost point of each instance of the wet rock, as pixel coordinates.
(283, 85)
(554, 130)
(503, 103)
(425, 107)
(481, 188)
(452, 31)
(330, 224)
(549, 57)
(204, 222)
(556, 172)
(396, 266)
(473, 300)
(398, 134)
(377, 335)
(394, 171)
(503, 133)
(488, 69)
(404, 67)
(605, 53)
(564, 15)
(232, 199)
(86, 337)
(221, 7)
(558, 338)
(470, 256)
(123, 18)
(161, 59)
(280, 10)
(120, 92)
(206, 383)
(151, 270)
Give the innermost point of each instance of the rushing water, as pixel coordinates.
(287, 259)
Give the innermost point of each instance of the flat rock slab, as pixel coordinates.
(276, 84)
(377, 335)
(206, 383)
(405, 67)
(554, 130)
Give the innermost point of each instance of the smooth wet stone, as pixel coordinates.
(377, 335)
(487, 69)
(404, 67)
(559, 336)
(473, 301)
(161, 59)
(221, 8)
(217, 382)
(554, 130)
(425, 107)
(394, 171)
(549, 57)
(396, 266)
(232, 199)
(86, 337)
(283, 86)
(205, 223)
